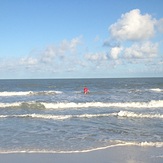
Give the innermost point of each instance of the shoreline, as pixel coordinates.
(116, 154)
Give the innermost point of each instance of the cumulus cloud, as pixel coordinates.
(60, 58)
(115, 52)
(111, 43)
(96, 57)
(28, 61)
(139, 51)
(60, 51)
(134, 33)
(133, 26)
(160, 25)
(49, 54)
(53, 58)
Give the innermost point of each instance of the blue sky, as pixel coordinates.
(81, 39)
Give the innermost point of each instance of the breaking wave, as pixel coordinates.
(151, 104)
(62, 117)
(64, 105)
(156, 90)
(138, 115)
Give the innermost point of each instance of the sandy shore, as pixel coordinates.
(121, 154)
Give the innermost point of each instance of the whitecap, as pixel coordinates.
(156, 90)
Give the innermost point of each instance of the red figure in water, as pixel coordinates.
(86, 90)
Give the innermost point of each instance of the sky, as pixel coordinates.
(81, 39)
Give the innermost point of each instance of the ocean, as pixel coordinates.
(54, 115)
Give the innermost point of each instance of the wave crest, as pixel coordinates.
(151, 104)
(62, 105)
(62, 117)
(136, 115)
(156, 90)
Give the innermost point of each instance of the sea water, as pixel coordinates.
(54, 115)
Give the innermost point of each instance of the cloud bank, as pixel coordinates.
(131, 41)
(53, 59)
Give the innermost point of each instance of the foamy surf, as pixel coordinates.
(29, 93)
(64, 105)
(136, 115)
(151, 104)
(116, 143)
(156, 90)
(16, 93)
(126, 114)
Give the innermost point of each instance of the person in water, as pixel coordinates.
(86, 90)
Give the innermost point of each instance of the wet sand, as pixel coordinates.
(119, 154)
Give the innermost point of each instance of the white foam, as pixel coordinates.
(151, 144)
(15, 93)
(47, 92)
(48, 116)
(55, 117)
(41, 116)
(151, 104)
(156, 90)
(143, 144)
(62, 117)
(160, 156)
(15, 104)
(135, 115)
(69, 105)
(117, 143)
(27, 93)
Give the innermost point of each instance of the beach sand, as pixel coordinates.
(119, 154)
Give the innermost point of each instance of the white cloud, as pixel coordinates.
(54, 58)
(96, 57)
(115, 51)
(49, 54)
(139, 51)
(59, 52)
(69, 45)
(160, 25)
(133, 26)
(134, 32)
(28, 61)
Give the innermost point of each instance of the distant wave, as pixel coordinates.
(62, 117)
(41, 116)
(29, 93)
(64, 105)
(15, 93)
(52, 92)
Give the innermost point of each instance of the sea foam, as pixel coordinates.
(67, 116)
(151, 104)
(69, 105)
(116, 143)
(27, 93)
